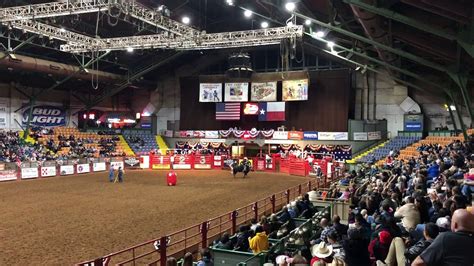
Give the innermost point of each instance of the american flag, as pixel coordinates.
(227, 111)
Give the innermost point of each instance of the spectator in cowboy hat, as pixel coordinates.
(321, 252)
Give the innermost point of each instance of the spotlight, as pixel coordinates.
(290, 6)
(330, 44)
(289, 23)
(264, 25)
(130, 49)
(247, 13)
(230, 2)
(62, 30)
(307, 22)
(319, 34)
(186, 20)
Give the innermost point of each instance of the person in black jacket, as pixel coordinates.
(355, 249)
(399, 254)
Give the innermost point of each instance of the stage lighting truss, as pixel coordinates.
(176, 35)
(221, 40)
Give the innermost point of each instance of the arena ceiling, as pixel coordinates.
(425, 44)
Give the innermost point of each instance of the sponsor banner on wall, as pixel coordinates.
(83, 168)
(117, 164)
(237, 92)
(214, 134)
(333, 136)
(217, 161)
(199, 134)
(375, 135)
(6, 175)
(3, 115)
(144, 161)
(210, 92)
(27, 173)
(182, 162)
(48, 171)
(168, 133)
(202, 162)
(160, 162)
(45, 116)
(295, 135)
(97, 167)
(310, 135)
(295, 90)
(280, 135)
(66, 170)
(360, 135)
(264, 92)
(132, 162)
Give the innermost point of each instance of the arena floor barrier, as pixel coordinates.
(297, 167)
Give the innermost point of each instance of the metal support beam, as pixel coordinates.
(458, 112)
(461, 81)
(13, 50)
(464, 42)
(382, 63)
(452, 116)
(403, 54)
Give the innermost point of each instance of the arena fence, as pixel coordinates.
(155, 251)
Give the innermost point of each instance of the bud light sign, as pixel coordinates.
(45, 116)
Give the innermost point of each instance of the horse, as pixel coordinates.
(239, 168)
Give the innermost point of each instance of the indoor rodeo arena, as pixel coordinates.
(237, 132)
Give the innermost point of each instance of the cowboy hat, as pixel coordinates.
(321, 250)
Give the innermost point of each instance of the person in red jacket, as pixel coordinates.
(379, 246)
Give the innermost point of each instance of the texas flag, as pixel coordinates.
(271, 111)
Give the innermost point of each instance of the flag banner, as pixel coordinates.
(210, 92)
(272, 111)
(227, 111)
(295, 90)
(237, 92)
(264, 92)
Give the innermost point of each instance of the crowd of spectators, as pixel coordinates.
(14, 149)
(415, 212)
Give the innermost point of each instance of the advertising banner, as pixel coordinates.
(97, 167)
(45, 116)
(117, 164)
(6, 175)
(83, 168)
(237, 92)
(214, 134)
(333, 136)
(66, 170)
(144, 161)
(210, 92)
(203, 162)
(48, 171)
(295, 90)
(218, 161)
(3, 115)
(310, 135)
(280, 135)
(132, 162)
(27, 173)
(374, 135)
(360, 135)
(295, 135)
(182, 162)
(264, 92)
(199, 133)
(160, 162)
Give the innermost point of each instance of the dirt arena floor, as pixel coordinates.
(65, 220)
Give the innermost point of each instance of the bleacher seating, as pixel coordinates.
(412, 150)
(396, 144)
(140, 148)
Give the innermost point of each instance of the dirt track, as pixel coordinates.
(65, 220)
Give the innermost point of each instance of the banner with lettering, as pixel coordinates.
(264, 92)
(45, 116)
(237, 92)
(210, 92)
(295, 90)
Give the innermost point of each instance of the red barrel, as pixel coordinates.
(171, 179)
